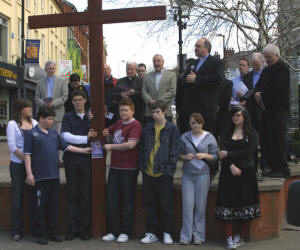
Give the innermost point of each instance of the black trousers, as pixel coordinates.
(78, 178)
(120, 195)
(258, 126)
(158, 192)
(17, 175)
(275, 131)
(45, 205)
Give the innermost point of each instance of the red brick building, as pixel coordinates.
(79, 34)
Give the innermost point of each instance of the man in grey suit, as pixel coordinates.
(159, 85)
(52, 91)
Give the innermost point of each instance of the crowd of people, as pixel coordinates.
(218, 121)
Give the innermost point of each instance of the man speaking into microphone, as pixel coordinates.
(201, 87)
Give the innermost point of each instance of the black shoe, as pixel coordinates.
(275, 174)
(41, 240)
(84, 236)
(266, 170)
(54, 237)
(70, 236)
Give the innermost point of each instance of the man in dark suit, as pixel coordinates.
(224, 97)
(272, 93)
(255, 113)
(131, 86)
(201, 86)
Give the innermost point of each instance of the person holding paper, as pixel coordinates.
(52, 91)
(76, 130)
(123, 172)
(41, 146)
(239, 89)
(273, 92)
(197, 148)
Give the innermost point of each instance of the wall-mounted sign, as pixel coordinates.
(32, 51)
(9, 75)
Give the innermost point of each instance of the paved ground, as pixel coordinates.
(288, 240)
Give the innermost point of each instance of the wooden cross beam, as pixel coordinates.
(95, 17)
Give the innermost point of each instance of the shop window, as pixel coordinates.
(3, 39)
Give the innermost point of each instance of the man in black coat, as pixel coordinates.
(201, 86)
(131, 86)
(111, 105)
(273, 96)
(255, 112)
(224, 97)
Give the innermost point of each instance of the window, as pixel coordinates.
(27, 32)
(43, 6)
(27, 4)
(56, 55)
(51, 51)
(3, 39)
(35, 6)
(19, 38)
(43, 49)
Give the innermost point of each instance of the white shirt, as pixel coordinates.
(15, 139)
(75, 139)
(197, 140)
(158, 76)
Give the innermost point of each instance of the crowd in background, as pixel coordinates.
(215, 120)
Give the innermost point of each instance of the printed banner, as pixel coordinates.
(65, 69)
(32, 51)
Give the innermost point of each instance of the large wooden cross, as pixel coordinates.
(95, 17)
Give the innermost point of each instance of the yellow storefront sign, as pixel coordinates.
(8, 73)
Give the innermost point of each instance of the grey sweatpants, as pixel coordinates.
(194, 190)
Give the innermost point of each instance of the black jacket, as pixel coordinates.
(274, 83)
(136, 83)
(69, 107)
(202, 96)
(224, 96)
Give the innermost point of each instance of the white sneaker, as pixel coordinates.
(123, 238)
(167, 239)
(149, 238)
(108, 237)
(230, 244)
(238, 241)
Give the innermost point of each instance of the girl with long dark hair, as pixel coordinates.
(21, 122)
(237, 200)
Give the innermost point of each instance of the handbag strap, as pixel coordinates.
(193, 145)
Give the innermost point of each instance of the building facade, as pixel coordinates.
(53, 45)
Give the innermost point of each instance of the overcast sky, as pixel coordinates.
(129, 42)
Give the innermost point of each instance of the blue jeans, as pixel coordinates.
(194, 189)
(17, 175)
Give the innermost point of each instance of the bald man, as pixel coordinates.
(201, 87)
(255, 113)
(272, 93)
(131, 86)
(159, 85)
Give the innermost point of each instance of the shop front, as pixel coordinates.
(9, 85)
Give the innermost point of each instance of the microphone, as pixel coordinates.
(192, 68)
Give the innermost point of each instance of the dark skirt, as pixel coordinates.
(237, 196)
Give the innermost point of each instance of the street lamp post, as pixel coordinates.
(181, 17)
(223, 36)
(22, 60)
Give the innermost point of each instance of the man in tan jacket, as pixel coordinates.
(159, 85)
